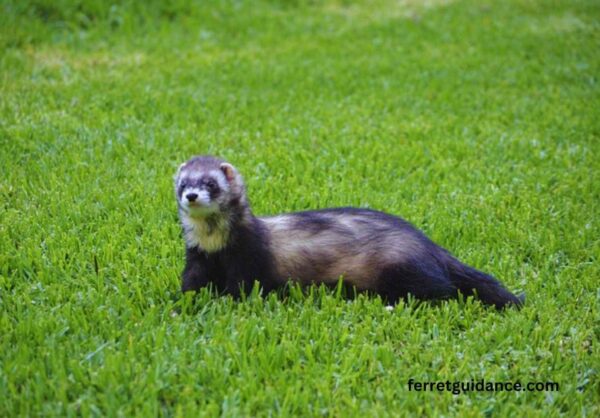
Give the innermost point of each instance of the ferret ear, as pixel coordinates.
(229, 171)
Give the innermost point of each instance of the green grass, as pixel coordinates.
(476, 121)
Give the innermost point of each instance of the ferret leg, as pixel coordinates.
(195, 273)
(421, 281)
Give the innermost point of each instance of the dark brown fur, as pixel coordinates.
(368, 249)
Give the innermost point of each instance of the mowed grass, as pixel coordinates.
(477, 121)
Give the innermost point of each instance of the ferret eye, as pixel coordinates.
(211, 185)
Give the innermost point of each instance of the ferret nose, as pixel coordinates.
(191, 197)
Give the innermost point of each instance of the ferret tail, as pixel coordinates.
(489, 290)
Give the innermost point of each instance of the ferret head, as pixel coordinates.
(206, 185)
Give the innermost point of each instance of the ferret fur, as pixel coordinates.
(228, 246)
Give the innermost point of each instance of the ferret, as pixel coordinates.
(372, 251)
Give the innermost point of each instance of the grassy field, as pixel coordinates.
(477, 121)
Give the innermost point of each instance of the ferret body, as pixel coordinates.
(228, 246)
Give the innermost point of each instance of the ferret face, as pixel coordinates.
(199, 194)
(204, 186)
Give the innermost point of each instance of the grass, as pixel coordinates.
(477, 121)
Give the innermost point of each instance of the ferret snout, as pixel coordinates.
(196, 196)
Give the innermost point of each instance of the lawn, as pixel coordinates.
(477, 121)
